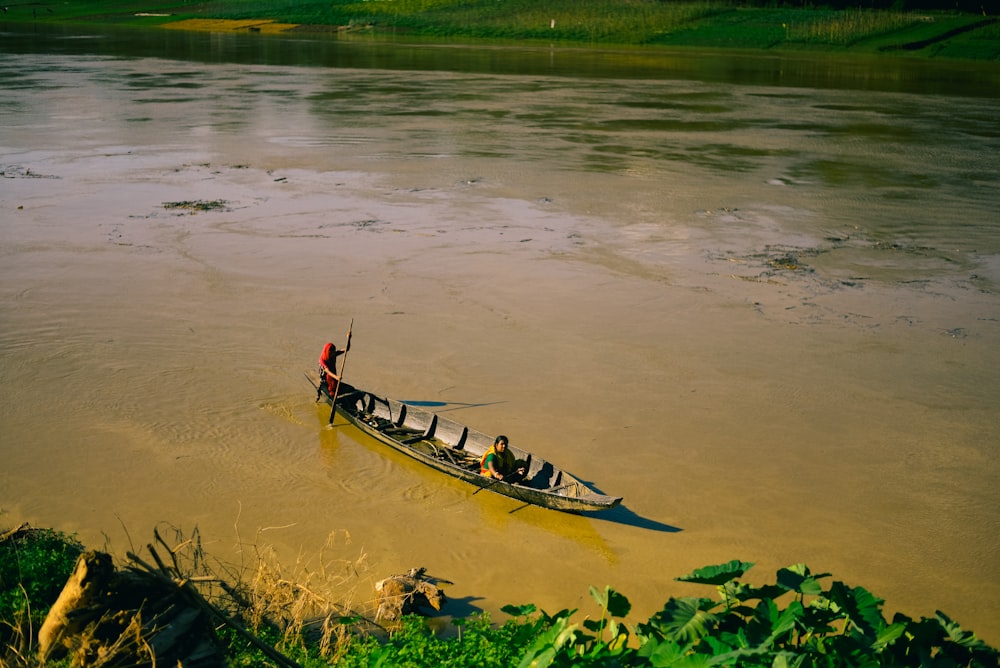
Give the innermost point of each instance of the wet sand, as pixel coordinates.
(746, 404)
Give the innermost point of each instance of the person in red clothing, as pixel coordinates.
(328, 369)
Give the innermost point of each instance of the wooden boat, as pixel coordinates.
(456, 449)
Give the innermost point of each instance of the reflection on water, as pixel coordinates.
(757, 296)
(303, 49)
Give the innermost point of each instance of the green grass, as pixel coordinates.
(597, 21)
(981, 44)
(34, 566)
(848, 27)
(702, 23)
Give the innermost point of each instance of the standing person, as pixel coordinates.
(498, 462)
(328, 369)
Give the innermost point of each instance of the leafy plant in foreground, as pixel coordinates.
(748, 626)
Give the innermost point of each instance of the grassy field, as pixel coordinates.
(702, 23)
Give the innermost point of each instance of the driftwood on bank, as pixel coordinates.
(105, 617)
(18, 531)
(142, 615)
(398, 595)
(78, 605)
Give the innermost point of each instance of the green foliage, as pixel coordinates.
(848, 26)
(913, 27)
(835, 626)
(798, 579)
(34, 566)
(717, 575)
(478, 643)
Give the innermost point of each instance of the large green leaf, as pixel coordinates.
(754, 656)
(692, 661)
(547, 645)
(799, 579)
(888, 635)
(761, 621)
(769, 623)
(743, 592)
(664, 654)
(661, 653)
(619, 636)
(717, 575)
(956, 633)
(538, 657)
(685, 619)
(519, 610)
(788, 660)
(616, 604)
(963, 646)
(786, 622)
(859, 606)
(668, 652)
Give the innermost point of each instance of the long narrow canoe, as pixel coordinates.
(456, 449)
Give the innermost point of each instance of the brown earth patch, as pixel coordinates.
(230, 25)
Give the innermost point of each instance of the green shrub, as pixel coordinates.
(478, 643)
(34, 566)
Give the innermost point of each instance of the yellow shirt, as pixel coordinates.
(503, 462)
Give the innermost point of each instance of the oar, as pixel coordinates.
(347, 349)
(495, 481)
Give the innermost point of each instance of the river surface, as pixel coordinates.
(758, 297)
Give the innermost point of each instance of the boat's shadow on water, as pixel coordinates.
(622, 515)
(619, 515)
(447, 406)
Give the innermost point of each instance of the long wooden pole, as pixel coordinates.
(347, 349)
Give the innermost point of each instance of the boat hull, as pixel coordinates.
(455, 450)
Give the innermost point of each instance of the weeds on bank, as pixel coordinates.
(306, 609)
(34, 566)
(848, 27)
(561, 20)
(571, 20)
(479, 644)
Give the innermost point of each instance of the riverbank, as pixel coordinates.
(702, 24)
(171, 607)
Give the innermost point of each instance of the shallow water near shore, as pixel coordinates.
(764, 311)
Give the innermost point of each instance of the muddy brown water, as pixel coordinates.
(757, 298)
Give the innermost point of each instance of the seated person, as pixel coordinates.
(498, 462)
